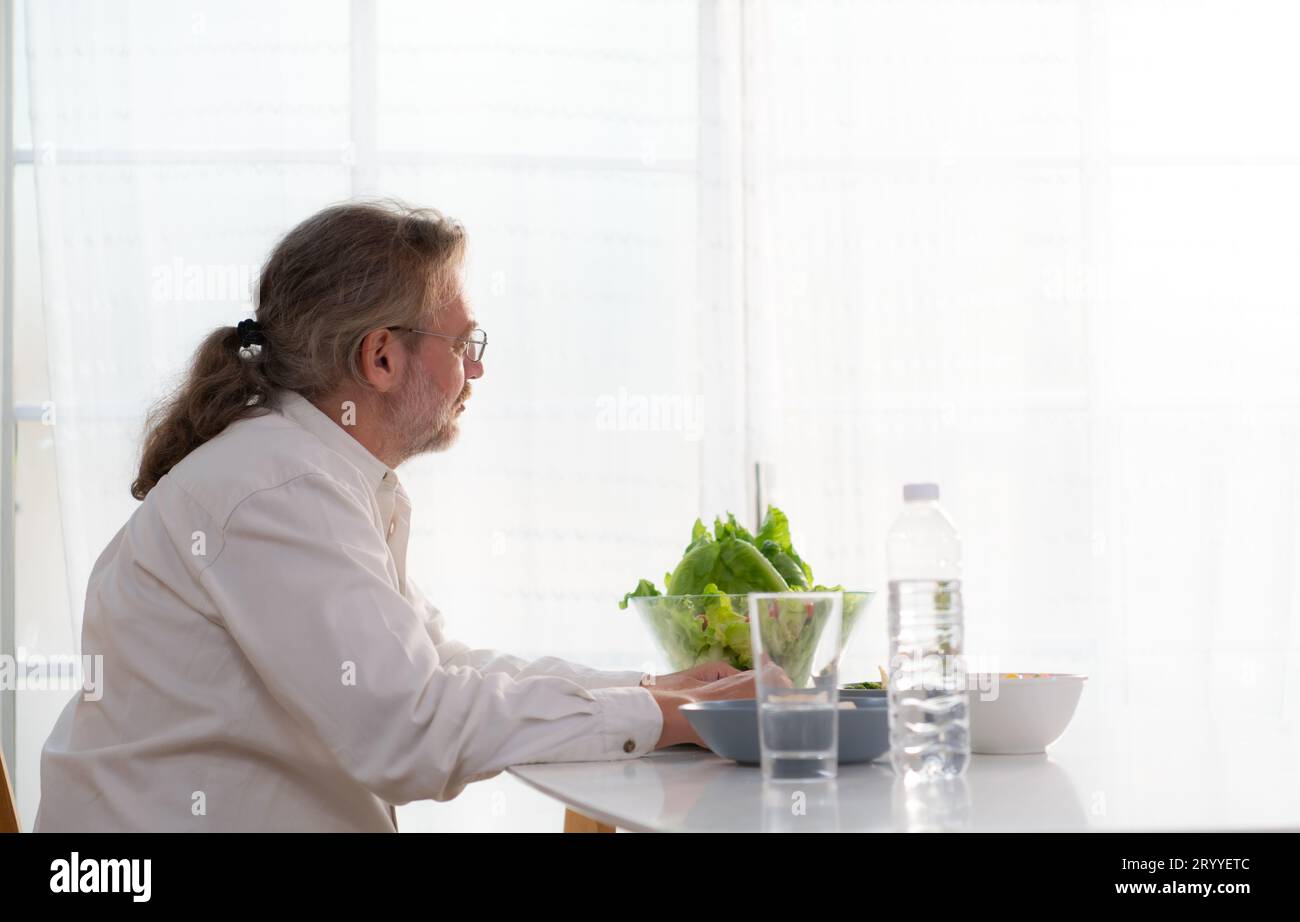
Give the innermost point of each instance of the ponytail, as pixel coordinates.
(223, 386)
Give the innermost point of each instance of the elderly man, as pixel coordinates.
(268, 664)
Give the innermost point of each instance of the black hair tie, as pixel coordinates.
(250, 334)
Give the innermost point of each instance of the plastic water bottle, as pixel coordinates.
(929, 723)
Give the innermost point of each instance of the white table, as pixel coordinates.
(1127, 767)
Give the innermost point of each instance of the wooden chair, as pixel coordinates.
(8, 805)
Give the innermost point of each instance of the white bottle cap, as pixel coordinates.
(920, 491)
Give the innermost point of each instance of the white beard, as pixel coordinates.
(419, 418)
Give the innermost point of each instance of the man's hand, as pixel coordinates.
(676, 728)
(694, 677)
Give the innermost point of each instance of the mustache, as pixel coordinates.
(464, 395)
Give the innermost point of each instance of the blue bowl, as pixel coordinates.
(730, 728)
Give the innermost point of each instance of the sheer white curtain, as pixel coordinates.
(1040, 253)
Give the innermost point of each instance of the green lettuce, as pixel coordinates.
(735, 561)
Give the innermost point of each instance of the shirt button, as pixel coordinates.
(629, 746)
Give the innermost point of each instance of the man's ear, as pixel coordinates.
(383, 359)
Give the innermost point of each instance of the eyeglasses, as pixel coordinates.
(474, 345)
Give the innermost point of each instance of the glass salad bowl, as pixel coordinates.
(694, 629)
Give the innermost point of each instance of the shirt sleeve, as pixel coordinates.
(301, 580)
(453, 652)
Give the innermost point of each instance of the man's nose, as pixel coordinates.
(473, 369)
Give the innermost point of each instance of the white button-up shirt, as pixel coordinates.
(267, 665)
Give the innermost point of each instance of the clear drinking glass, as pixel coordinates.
(795, 638)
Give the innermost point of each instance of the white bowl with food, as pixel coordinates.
(1015, 713)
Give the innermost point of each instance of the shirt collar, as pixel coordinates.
(304, 413)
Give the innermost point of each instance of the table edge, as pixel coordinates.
(571, 803)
